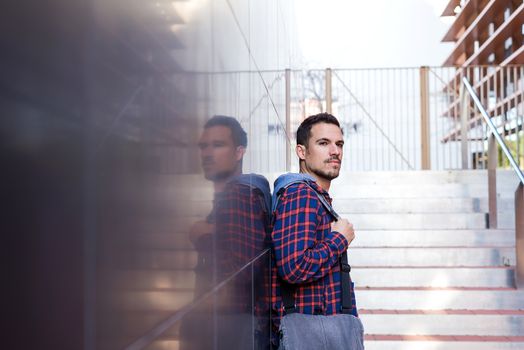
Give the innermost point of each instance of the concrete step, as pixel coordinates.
(426, 256)
(449, 343)
(173, 344)
(154, 279)
(363, 178)
(451, 221)
(162, 240)
(159, 208)
(171, 301)
(448, 221)
(412, 184)
(420, 205)
(364, 238)
(444, 324)
(506, 220)
(436, 277)
(383, 221)
(132, 324)
(161, 259)
(175, 225)
(362, 221)
(165, 344)
(385, 184)
(169, 340)
(401, 256)
(450, 190)
(433, 238)
(440, 299)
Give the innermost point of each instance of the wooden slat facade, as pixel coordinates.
(488, 36)
(471, 28)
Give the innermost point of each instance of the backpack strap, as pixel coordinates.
(259, 185)
(288, 290)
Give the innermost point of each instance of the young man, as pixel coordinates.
(307, 244)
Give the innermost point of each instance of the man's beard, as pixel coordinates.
(219, 176)
(328, 175)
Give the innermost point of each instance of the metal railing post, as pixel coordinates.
(288, 120)
(492, 180)
(424, 119)
(519, 235)
(464, 116)
(329, 96)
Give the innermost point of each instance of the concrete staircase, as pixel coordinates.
(429, 275)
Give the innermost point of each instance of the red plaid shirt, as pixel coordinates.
(306, 253)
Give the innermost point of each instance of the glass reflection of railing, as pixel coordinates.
(234, 314)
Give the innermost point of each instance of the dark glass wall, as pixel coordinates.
(44, 137)
(102, 104)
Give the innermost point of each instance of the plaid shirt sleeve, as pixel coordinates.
(301, 255)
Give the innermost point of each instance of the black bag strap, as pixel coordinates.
(288, 297)
(345, 279)
(288, 290)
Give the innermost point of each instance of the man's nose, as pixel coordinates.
(334, 150)
(206, 152)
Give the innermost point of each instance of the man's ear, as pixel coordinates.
(240, 151)
(301, 152)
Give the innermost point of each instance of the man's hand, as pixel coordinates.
(344, 227)
(199, 229)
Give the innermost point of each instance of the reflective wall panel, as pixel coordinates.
(103, 107)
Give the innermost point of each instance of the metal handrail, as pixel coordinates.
(494, 130)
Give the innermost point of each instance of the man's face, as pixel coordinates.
(323, 154)
(218, 153)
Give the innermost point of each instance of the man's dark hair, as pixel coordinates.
(304, 130)
(239, 135)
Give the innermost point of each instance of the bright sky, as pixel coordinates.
(372, 33)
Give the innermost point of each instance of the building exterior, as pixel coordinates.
(485, 32)
(489, 51)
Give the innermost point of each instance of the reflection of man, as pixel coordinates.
(234, 233)
(307, 244)
(222, 146)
